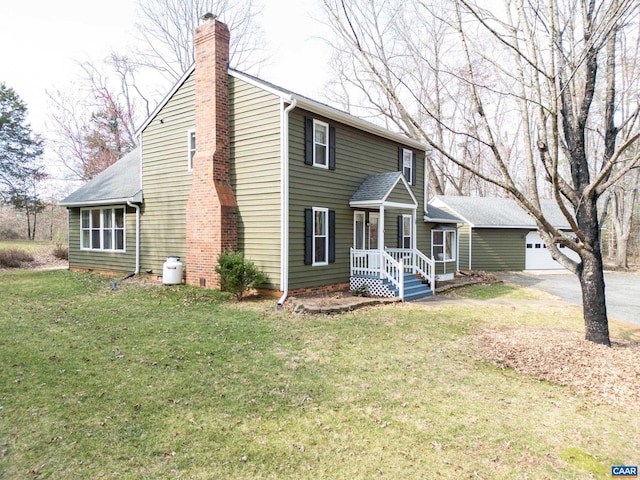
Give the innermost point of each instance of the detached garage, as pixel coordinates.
(537, 256)
(495, 234)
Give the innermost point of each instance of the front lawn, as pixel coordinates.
(150, 381)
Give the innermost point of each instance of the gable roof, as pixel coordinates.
(117, 184)
(493, 212)
(303, 102)
(376, 188)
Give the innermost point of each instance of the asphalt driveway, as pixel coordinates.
(622, 290)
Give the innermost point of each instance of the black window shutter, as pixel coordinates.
(414, 170)
(308, 141)
(400, 163)
(400, 239)
(332, 147)
(308, 236)
(332, 236)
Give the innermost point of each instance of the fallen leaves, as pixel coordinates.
(610, 374)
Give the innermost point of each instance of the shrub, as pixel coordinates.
(238, 275)
(61, 252)
(8, 234)
(14, 258)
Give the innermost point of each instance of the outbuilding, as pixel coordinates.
(496, 234)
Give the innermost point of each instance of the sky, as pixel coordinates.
(42, 39)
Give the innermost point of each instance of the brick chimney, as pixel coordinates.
(211, 207)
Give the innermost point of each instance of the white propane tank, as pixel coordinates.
(172, 271)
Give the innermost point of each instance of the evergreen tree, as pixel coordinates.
(20, 150)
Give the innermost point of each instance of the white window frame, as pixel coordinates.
(325, 235)
(407, 164)
(100, 229)
(363, 229)
(191, 148)
(446, 232)
(316, 162)
(407, 234)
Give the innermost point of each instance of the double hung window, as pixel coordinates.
(320, 236)
(191, 148)
(320, 144)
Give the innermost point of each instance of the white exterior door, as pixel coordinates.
(538, 256)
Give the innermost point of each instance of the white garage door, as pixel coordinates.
(538, 256)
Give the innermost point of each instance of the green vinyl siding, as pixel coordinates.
(255, 174)
(400, 195)
(496, 249)
(101, 260)
(166, 179)
(463, 245)
(358, 154)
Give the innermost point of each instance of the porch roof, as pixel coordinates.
(376, 190)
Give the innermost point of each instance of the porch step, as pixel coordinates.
(414, 288)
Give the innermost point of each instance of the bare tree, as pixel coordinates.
(95, 121)
(623, 197)
(166, 32)
(623, 200)
(540, 85)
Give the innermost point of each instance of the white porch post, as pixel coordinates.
(414, 239)
(381, 239)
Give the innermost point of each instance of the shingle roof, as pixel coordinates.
(303, 102)
(499, 212)
(118, 183)
(437, 215)
(376, 187)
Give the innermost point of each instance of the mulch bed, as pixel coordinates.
(608, 375)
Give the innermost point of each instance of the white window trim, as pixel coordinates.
(454, 244)
(190, 152)
(363, 214)
(326, 235)
(407, 155)
(327, 146)
(113, 209)
(408, 234)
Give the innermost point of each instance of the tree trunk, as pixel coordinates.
(593, 299)
(35, 220)
(28, 224)
(622, 245)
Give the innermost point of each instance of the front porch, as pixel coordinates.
(404, 273)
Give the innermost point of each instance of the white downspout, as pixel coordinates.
(284, 198)
(137, 207)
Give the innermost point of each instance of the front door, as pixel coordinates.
(365, 236)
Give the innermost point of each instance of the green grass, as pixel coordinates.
(496, 290)
(152, 382)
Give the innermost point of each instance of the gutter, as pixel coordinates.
(284, 198)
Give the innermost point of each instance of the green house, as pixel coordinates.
(317, 198)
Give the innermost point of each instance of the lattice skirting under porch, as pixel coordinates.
(377, 287)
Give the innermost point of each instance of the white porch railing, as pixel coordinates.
(391, 264)
(394, 272)
(416, 262)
